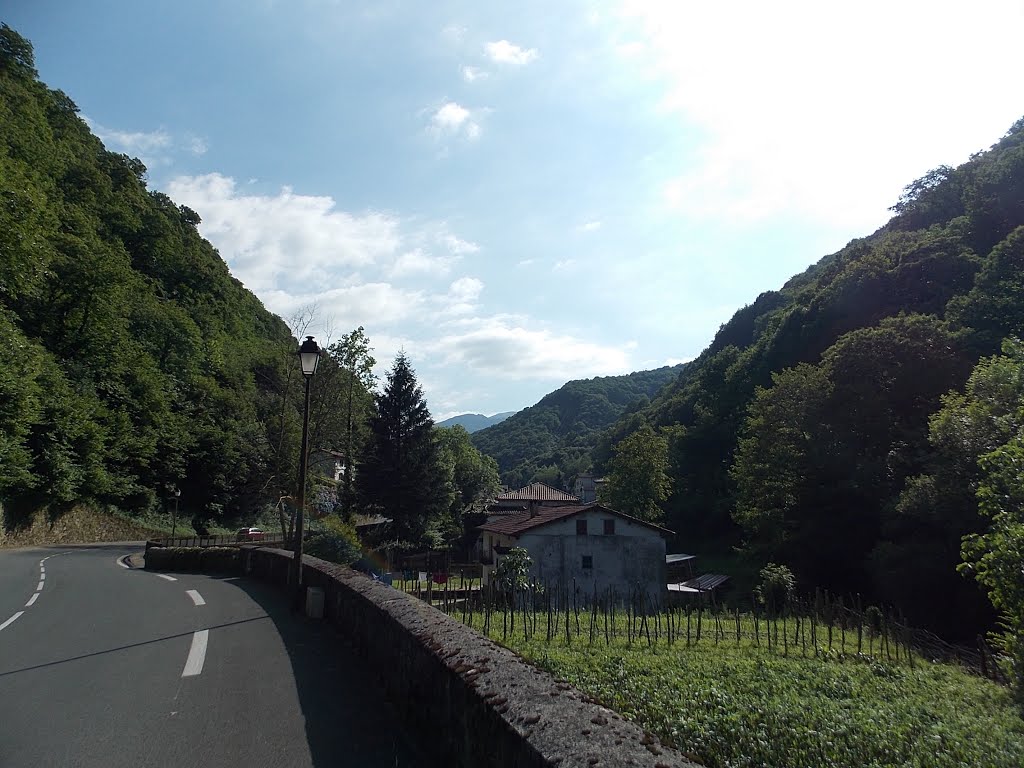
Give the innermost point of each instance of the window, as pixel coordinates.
(588, 562)
(581, 527)
(609, 527)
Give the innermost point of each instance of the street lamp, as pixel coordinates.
(309, 356)
(176, 492)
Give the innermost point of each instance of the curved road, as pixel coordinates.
(102, 665)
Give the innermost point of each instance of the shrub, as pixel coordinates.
(775, 587)
(339, 543)
(513, 570)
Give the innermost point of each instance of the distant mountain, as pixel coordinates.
(474, 422)
(551, 441)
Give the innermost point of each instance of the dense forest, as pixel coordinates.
(819, 428)
(131, 362)
(551, 441)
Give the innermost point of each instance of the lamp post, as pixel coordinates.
(309, 356)
(176, 492)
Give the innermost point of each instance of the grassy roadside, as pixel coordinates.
(80, 525)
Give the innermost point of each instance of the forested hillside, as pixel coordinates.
(130, 360)
(803, 430)
(551, 441)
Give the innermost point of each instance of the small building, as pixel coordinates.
(327, 463)
(597, 546)
(526, 500)
(587, 486)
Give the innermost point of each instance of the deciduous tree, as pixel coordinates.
(638, 481)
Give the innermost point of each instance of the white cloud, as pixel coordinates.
(418, 261)
(525, 262)
(154, 148)
(458, 246)
(462, 297)
(504, 52)
(590, 226)
(500, 345)
(377, 304)
(134, 143)
(452, 119)
(564, 265)
(372, 269)
(472, 74)
(285, 239)
(454, 33)
(466, 289)
(823, 110)
(451, 116)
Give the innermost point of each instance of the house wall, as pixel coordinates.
(633, 556)
(491, 540)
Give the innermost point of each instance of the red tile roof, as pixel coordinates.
(537, 492)
(514, 525)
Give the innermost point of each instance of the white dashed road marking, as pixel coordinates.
(196, 597)
(196, 655)
(39, 587)
(32, 600)
(165, 576)
(11, 620)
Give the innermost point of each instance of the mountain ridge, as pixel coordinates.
(550, 441)
(474, 422)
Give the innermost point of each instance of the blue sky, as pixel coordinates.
(519, 194)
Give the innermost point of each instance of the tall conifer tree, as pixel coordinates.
(399, 475)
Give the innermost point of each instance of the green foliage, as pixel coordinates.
(338, 542)
(550, 441)
(637, 481)
(725, 704)
(989, 420)
(513, 571)
(400, 476)
(352, 354)
(131, 359)
(830, 445)
(777, 584)
(471, 475)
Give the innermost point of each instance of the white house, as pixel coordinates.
(593, 544)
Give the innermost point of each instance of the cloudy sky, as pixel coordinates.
(523, 193)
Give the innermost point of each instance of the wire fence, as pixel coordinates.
(820, 626)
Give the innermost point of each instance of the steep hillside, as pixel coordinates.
(474, 422)
(875, 335)
(130, 359)
(550, 441)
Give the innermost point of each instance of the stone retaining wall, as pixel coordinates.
(479, 703)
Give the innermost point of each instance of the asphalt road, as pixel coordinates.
(101, 665)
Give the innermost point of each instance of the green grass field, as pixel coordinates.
(730, 704)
